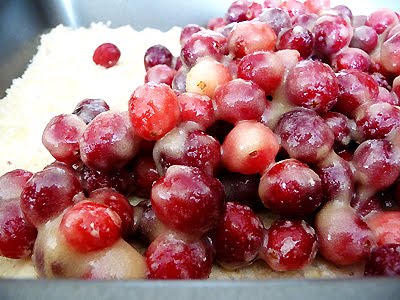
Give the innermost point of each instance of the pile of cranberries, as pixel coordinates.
(283, 106)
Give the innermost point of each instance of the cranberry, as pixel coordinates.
(197, 108)
(188, 31)
(297, 38)
(238, 236)
(344, 12)
(145, 174)
(390, 54)
(17, 235)
(341, 127)
(216, 23)
(293, 7)
(12, 183)
(179, 81)
(290, 187)
(61, 137)
(188, 200)
(388, 97)
(108, 143)
(276, 18)
(88, 109)
(239, 100)
(157, 55)
(305, 20)
(249, 148)
(48, 193)
(382, 19)
(351, 58)
(364, 38)
(316, 6)
(153, 110)
(313, 85)
(90, 226)
(386, 227)
(171, 256)
(263, 68)
(160, 74)
(106, 55)
(384, 261)
(240, 11)
(289, 245)
(149, 227)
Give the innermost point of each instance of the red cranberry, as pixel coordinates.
(289, 245)
(364, 38)
(297, 38)
(240, 11)
(386, 227)
(216, 23)
(145, 174)
(106, 55)
(188, 31)
(382, 19)
(188, 200)
(316, 6)
(390, 54)
(157, 55)
(305, 20)
(351, 58)
(171, 256)
(384, 261)
(90, 226)
(88, 109)
(160, 74)
(12, 183)
(341, 127)
(238, 236)
(276, 18)
(197, 108)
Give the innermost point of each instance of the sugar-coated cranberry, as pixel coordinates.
(160, 74)
(382, 19)
(297, 38)
(188, 200)
(364, 38)
(48, 193)
(351, 58)
(216, 23)
(153, 110)
(293, 7)
(249, 148)
(240, 11)
(89, 226)
(12, 183)
(312, 84)
(343, 11)
(384, 261)
(289, 245)
(388, 97)
(157, 55)
(17, 235)
(276, 18)
(341, 127)
(108, 143)
(145, 174)
(237, 237)
(197, 108)
(149, 227)
(390, 54)
(386, 226)
(171, 256)
(88, 109)
(305, 20)
(61, 137)
(187, 31)
(291, 188)
(316, 6)
(106, 55)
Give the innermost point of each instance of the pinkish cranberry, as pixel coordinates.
(12, 183)
(382, 19)
(197, 108)
(351, 58)
(160, 74)
(276, 18)
(386, 227)
(364, 38)
(188, 31)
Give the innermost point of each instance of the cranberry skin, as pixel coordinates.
(374, 157)
(145, 174)
(384, 261)
(157, 55)
(106, 55)
(187, 32)
(160, 74)
(12, 183)
(90, 226)
(61, 137)
(386, 227)
(153, 110)
(249, 148)
(173, 257)
(290, 187)
(88, 109)
(249, 37)
(312, 84)
(376, 121)
(48, 193)
(297, 38)
(117, 202)
(17, 235)
(340, 126)
(355, 88)
(344, 238)
(331, 34)
(382, 19)
(304, 135)
(239, 100)
(263, 68)
(197, 108)
(238, 236)
(188, 200)
(108, 143)
(364, 38)
(276, 18)
(351, 58)
(289, 245)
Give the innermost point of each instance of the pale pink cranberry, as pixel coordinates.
(263, 68)
(239, 100)
(108, 143)
(245, 10)
(171, 256)
(216, 23)
(387, 97)
(382, 19)
(17, 235)
(106, 55)
(153, 110)
(312, 84)
(293, 7)
(48, 193)
(351, 58)
(197, 108)
(344, 238)
(206, 76)
(276, 18)
(61, 137)
(384, 261)
(304, 135)
(305, 20)
(188, 31)
(238, 236)
(386, 227)
(291, 188)
(316, 6)
(157, 55)
(364, 38)
(390, 54)
(289, 245)
(160, 74)
(88, 109)
(249, 148)
(343, 11)
(12, 183)
(297, 38)
(188, 200)
(249, 37)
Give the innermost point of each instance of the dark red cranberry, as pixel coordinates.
(384, 261)
(157, 55)
(88, 109)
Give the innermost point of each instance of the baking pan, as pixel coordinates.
(22, 22)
